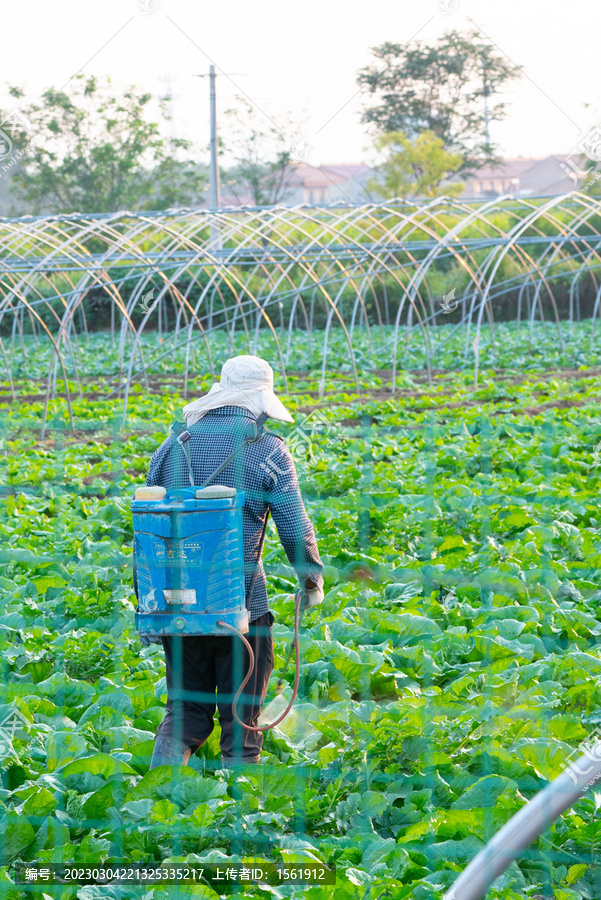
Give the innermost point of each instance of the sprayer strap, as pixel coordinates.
(256, 435)
(182, 437)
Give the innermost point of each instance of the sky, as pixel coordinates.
(298, 63)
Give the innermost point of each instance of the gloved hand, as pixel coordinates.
(312, 597)
(146, 640)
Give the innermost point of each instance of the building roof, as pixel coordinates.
(538, 176)
(323, 176)
(508, 168)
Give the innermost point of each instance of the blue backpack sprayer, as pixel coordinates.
(189, 563)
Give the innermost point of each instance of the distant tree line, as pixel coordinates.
(87, 149)
(430, 111)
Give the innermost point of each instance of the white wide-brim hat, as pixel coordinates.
(246, 381)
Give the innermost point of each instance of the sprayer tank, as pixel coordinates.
(189, 557)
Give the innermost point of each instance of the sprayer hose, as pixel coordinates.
(251, 666)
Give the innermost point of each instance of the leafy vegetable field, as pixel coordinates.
(453, 667)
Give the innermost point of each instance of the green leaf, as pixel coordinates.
(547, 757)
(39, 804)
(500, 582)
(92, 851)
(453, 542)
(15, 835)
(575, 873)
(97, 764)
(484, 793)
(103, 717)
(164, 811)
(46, 581)
(121, 702)
(110, 794)
(515, 518)
(373, 803)
(198, 790)
(160, 782)
(50, 835)
(126, 737)
(138, 809)
(62, 746)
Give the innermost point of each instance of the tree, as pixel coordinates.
(443, 88)
(415, 168)
(89, 151)
(262, 155)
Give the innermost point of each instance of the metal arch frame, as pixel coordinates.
(268, 254)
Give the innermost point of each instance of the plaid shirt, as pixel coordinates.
(265, 472)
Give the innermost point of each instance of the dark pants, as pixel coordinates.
(198, 666)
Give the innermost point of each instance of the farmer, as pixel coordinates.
(200, 665)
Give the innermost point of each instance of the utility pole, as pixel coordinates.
(485, 93)
(169, 98)
(214, 167)
(214, 193)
